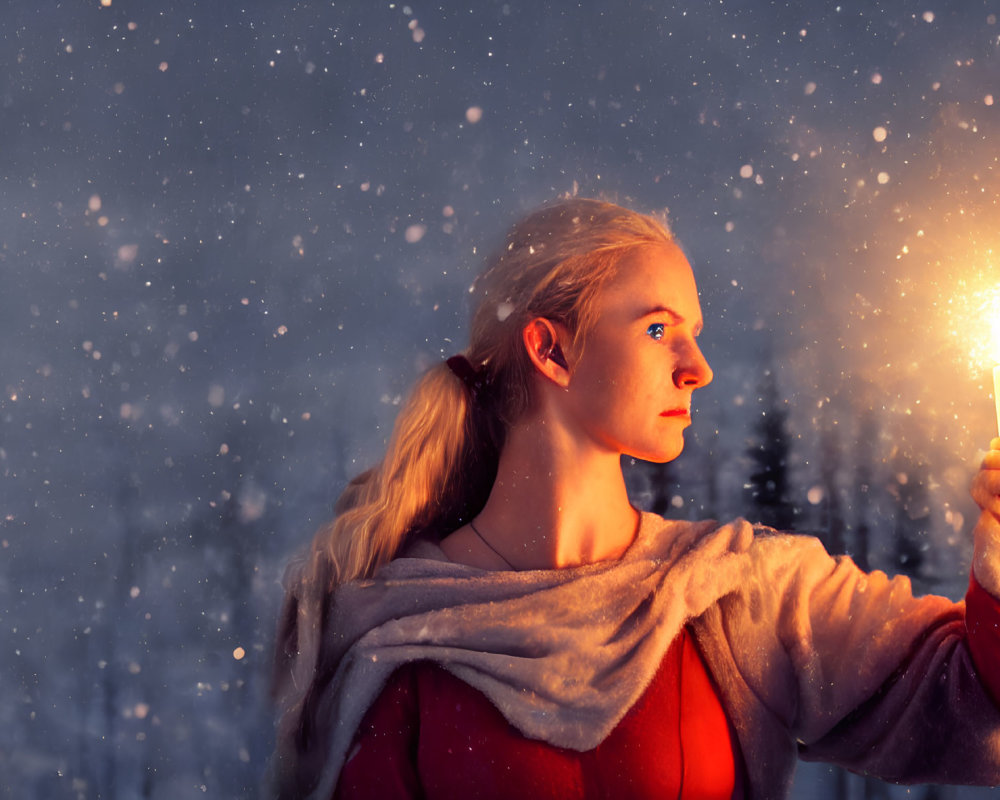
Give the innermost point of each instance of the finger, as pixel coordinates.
(988, 524)
(986, 490)
(995, 443)
(988, 480)
(992, 459)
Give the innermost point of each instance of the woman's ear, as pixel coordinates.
(541, 340)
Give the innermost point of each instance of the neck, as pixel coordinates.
(556, 503)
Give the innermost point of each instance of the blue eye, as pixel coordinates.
(656, 330)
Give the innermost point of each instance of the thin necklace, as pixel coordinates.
(482, 538)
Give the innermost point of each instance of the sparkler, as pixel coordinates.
(977, 308)
(995, 324)
(996, 393)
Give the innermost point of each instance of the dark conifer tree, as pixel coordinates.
(863, 487)
(767, 490)
(912, 514)
(833, 525)
(661, 483)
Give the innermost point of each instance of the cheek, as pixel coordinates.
(637, 377)
(625, 386)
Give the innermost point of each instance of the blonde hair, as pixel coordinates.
(442, 457)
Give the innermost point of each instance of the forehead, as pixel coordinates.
(650, 276)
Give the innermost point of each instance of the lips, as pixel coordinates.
(676, 412)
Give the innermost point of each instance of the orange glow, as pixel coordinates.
(972, 319)
(995, 326)
(973, 313)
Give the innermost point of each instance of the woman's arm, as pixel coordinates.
(982, 620)
(982, 616)
(856, 669)
(936, 716)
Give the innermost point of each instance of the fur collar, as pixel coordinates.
(563, 654)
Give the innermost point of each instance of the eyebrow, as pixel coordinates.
(675, 317)
(661, 310)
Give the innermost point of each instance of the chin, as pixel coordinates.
(663, 459)
(661, 455)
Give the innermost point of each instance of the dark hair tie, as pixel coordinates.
(474, 379)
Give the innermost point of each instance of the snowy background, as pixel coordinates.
(231, 234)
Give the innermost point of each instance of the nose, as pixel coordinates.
(692, 370)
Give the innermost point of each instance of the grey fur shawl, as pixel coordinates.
(811, 656)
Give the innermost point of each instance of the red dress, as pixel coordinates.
(430, 735)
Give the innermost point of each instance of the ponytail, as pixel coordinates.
(437, 473)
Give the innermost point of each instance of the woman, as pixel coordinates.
(489, 616)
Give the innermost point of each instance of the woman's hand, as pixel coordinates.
(986, 484)
(986, 534)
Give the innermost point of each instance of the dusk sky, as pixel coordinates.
(232, 234)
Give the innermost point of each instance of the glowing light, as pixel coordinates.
(996, 392)
(994, 311)
(975, 309)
